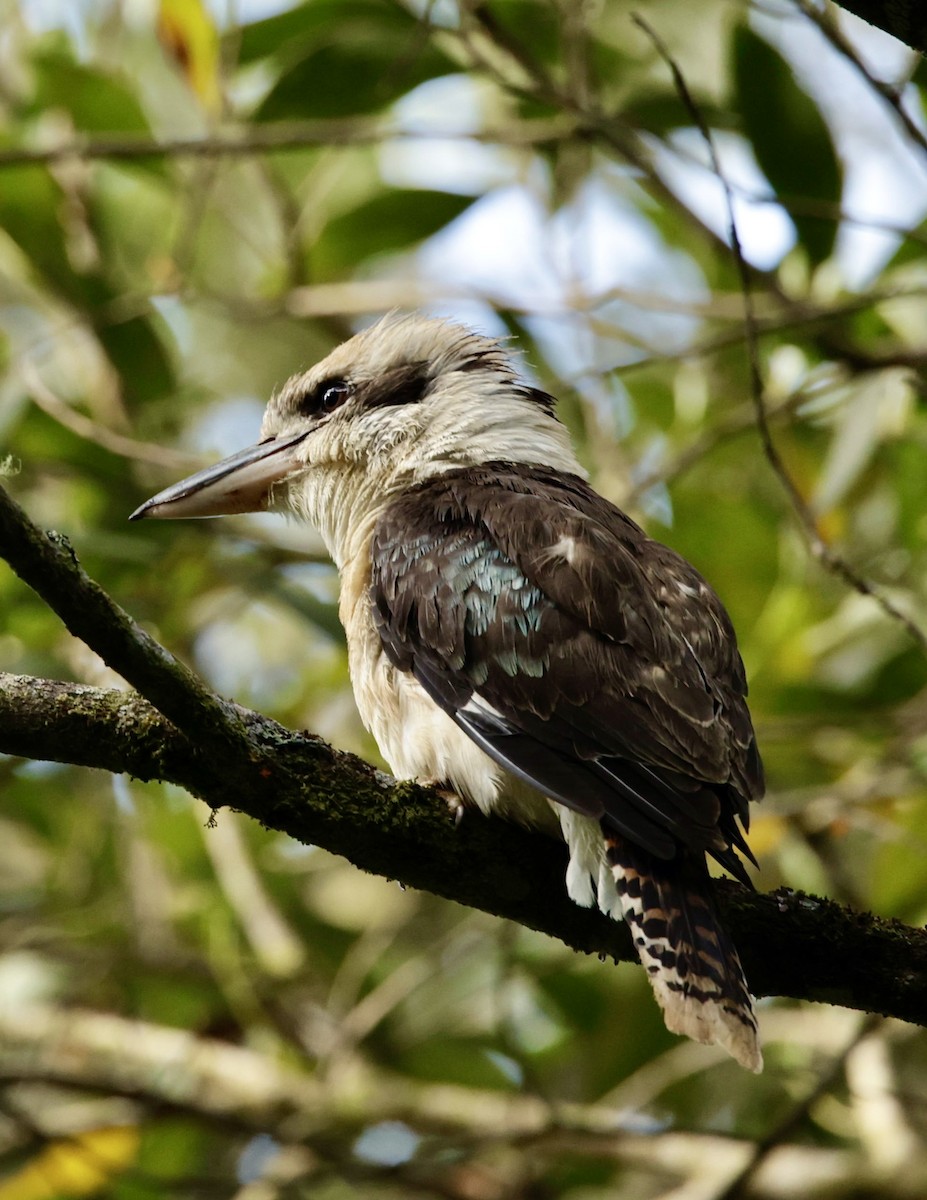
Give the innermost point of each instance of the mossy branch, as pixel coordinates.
(175, 730)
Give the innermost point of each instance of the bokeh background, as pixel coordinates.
(200, 1009)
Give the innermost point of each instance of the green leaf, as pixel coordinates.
(460, 1060)
(358, 63)
(790, 138)
(288, 36)
(97, 100)
(578, 996)
(531, 28)
(279, 34)
(138, 353)
(31, 202)
(389, 222)
(128, 247)
(910, 249)
(659, 111)
(898, 886)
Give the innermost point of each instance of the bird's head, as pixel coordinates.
(406, 399)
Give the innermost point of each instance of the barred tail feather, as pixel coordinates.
(692, 963)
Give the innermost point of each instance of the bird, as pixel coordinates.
(516, 640)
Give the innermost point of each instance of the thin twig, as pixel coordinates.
(801, 206)
(116, 443)
(736, 423)
(832, 561)
(241, 1090)
(795, 318)
(48, 564)
(266, 138)
(789, 1124)
(792, 945)
(885, 91)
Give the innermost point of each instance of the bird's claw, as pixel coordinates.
(451, 798)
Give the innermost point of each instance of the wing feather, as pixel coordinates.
(592, 662)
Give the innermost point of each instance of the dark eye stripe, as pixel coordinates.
(397, 386)
(404, 384)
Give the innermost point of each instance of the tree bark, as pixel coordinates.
(173, 729)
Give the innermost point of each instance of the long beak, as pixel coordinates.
(240, 483)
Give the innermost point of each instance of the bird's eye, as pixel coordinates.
(324, 398)
(332, 395)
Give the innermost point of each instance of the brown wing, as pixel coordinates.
(589, 660)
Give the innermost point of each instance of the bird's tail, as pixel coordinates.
(693, 966)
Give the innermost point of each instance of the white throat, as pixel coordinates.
(344, 495)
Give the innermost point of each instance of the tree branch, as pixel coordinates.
(179, 732)
(791, 944)
(830, 559)
(47, 563)
(318, 795)
(169, 1070)
(273, 138)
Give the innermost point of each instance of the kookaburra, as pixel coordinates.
(517, 640)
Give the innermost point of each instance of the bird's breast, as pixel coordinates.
(417, 739)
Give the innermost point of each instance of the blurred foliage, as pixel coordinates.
(200, 1011)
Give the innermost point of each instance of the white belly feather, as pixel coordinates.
(421, 742)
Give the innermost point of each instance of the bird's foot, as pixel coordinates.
(452, 799)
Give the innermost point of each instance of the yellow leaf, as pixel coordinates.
(78, 1166)
(188, 34)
